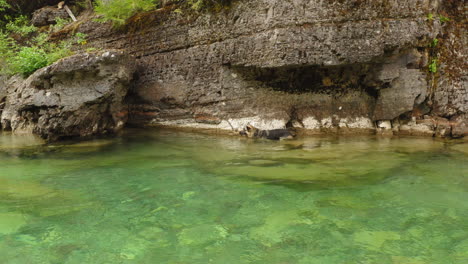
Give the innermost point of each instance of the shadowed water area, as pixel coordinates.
(160, 196)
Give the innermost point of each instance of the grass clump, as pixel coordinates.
(118, 11)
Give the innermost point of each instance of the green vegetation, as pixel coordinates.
(80, 38)
(27, 59)
(59, 24)
(205, 4)
(443, 19)
(92, 49)
(433, 55)
(430, 16)
(24, 49)
(20, 25)
(118, 11)
(197, 4)
(3, 5)
(434, 44)
(433, 66)
(31, 50)
(5, 50)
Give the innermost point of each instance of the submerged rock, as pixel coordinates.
(202, 234)
(78, 96)
(374, 240)
(460, 126)
(9, 141)
(461, 147)
(11, 222)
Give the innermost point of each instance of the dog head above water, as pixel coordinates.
(249, 131)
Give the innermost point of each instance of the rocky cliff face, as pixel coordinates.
(79, 96)
(319, 65)
(343, 66)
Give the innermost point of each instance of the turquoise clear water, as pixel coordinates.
(160, 196)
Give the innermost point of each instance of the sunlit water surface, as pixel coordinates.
(171, 197)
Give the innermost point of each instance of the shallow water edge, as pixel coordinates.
(166, 196)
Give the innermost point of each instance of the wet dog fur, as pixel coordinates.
(274, 134)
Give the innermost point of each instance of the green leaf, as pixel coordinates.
(443, 19)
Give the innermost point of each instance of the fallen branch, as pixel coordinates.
(70, 13)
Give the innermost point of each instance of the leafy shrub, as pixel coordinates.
(20, 25)
(7, 47)
(6, 44)
(3, 5)
(118, 11)
(35, 53)
(28, 60)
(80, 38)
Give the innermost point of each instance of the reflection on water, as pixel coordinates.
(172, 197)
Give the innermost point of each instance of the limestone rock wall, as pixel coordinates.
(319, 65)
(450, 84)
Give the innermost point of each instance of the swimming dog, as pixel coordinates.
(274, 134)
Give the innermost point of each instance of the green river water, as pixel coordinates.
(160, 196)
